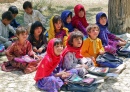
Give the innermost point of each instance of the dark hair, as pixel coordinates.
(27, 4)
(70, 14)
(13, 9)
(58, 41)
(57, 18)
(35, 25)
(82, 9)
(7, 15)
(103, 15)
(74, 34)
(21, 30)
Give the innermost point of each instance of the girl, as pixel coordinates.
(37, 38)
(20, 48)
(109, 40)
(92, 46)
(48, 76)
(71, 54)
(66, 17)
(57, 30)
(79, 20)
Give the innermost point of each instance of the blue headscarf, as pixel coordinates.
(103, 34)
(64, 16)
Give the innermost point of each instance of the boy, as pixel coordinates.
(5, 28)
(14, 12)
(92, 46)
(13, 23)
(31, 15)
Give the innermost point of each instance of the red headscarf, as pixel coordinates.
(76, 19)
(49, 62)
(70, 48)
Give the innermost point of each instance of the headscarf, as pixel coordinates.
(70, 48)
(51, 31)
(76, 19)
(64, 16)
(49, 62)
(103, 34)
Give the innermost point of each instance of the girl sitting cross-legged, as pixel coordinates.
(49, 76)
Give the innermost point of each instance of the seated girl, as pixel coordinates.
(20, 48)
(57, 30)
(66, 17)
(79, 20)
(110, 41)
(92, 46)
(71, 54)
(49, 76)
(37, 38)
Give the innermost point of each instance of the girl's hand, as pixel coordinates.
(35, 49)
(8, 54)
(35, 56)
(62, 72)
(65, 75)
(94, 61)
(85, 66)
(101, 52)
(39, 50)
(122, 42)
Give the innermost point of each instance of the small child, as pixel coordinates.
(20, 48)
(14, 12)
(37, 38)
(110, 41)
(31, 15)
(13, 23)
(79, 20)
(66, 17)
(92, 46)
(57, 30)
(49, 76)
(5, 28)
(72, 58)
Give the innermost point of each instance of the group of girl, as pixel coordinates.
(66, 46)
(61, 65)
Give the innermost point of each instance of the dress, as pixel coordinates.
(108, 39)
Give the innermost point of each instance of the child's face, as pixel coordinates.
(81, 13)
(58, 49)
(6, 22)
(77, 42)
(38, 31)
(22, 36)
(103, 21)
(58, 25)
(14, 15)
(28, 10)
(93, 33)
(68, 20)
